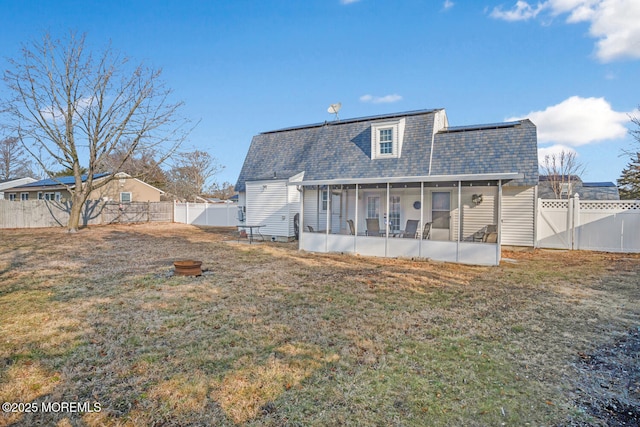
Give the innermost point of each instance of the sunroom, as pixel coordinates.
(452, 218)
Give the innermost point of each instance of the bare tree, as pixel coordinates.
(76, 109)
(222, 191)
(190, 173)
(562, 172)
(13, 160)
(142, 165)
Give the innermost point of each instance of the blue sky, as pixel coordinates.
(243, 67)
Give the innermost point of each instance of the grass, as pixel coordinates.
(278, 337)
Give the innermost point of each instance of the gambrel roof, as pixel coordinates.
(342, 149)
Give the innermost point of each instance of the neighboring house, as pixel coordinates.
(585, 190)
(13, 183)
(123, 189)
(457, 192)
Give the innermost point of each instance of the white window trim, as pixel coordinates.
(24, 196)
(397, 129)
(324, 200)
(130, 197)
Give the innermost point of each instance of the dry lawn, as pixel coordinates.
(278, 337)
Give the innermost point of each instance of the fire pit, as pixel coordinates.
(188, 268)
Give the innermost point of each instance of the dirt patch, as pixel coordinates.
(607, 383)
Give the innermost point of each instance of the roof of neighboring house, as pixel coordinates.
(342, 149)
(599, 191)
(14, 182)
(62, 180)
(586, 190)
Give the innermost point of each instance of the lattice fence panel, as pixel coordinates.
(555, 204)
(616, 206)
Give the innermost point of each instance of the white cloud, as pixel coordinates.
(578, 121)
(348, 1)
(554, 149)
(522, 11)
(614, 23)
(448, 4)
(387, 99)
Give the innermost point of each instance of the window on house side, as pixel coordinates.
(386, 141)
(325, 195)
(125, 197)
(24, 196)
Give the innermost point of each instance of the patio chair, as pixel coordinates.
(426, 232)
(411, 229)
(487, 234)
(490, 234)
(352, 228)
(373, 227)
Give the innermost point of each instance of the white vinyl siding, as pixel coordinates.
(518, 214)
(293, 204)
(475, 217)
(272, 204)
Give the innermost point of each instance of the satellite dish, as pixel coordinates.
(334, 108)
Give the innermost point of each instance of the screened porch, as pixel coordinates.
(439, 218)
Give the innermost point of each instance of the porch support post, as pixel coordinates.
(318, 206)
(355, 231)
(386, 227)
(459, 231)
(329, 207)
(301, 221)
(421, 234)
(499, 228)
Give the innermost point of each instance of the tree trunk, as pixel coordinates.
(77, 202)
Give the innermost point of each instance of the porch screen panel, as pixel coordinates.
(394, 215)
(441, 210)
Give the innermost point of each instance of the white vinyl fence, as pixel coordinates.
(211, 214)
(49, 213)
(597, 225)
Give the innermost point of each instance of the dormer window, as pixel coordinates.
(386, 139)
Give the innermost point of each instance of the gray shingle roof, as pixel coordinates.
(343, 150)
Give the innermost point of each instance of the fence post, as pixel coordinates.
(575, 223)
